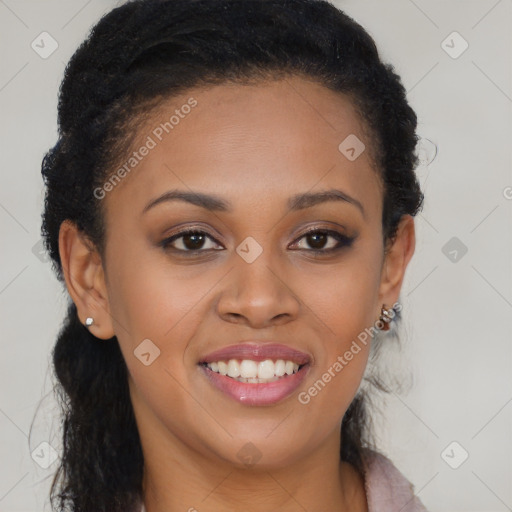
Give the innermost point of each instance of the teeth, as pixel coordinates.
(280, 368)
(253, 372)
(233, 368)
(266, 369)
(248, 369)
(222, 367)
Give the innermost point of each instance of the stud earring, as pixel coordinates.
(89, 321)
(386, 315)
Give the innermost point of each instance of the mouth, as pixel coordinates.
(256, 374)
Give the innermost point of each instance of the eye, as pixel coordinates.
(324, 241)
(190, 241)
(321, 241)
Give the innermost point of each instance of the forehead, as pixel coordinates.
(250, 142)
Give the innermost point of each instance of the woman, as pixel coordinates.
(230, 205)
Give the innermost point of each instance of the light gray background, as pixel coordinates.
(457, 313)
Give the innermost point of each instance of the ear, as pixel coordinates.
(397, 256)
(85, 280)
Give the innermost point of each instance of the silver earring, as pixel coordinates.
(89, 321)
(386, 316)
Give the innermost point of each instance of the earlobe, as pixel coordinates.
(83, 273)
(397, 258)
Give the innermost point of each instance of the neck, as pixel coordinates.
(177, 478)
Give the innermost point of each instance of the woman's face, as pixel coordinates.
(246, 167)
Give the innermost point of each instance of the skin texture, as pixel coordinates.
(254, 146)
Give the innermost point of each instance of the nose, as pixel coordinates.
(257, 295)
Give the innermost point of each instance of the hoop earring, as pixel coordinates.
(386, 315)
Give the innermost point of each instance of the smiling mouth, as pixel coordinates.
(249, 371)
(255, 373)
(269, 387)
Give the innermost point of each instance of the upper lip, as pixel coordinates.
(257, 351)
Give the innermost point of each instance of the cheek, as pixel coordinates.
(339, 368)
(154, 301)
(344, 297)
(344, 303)
(149, 295)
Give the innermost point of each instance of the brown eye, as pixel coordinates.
(324, 241)
(317, 240)
(193, 241)
(190, 241)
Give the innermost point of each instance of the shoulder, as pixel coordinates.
(387, 490)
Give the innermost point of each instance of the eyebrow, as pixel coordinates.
(217, 204)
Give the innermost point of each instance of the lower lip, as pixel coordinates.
(257, 394)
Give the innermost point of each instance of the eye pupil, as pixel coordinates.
(196, 239)
(317, 240)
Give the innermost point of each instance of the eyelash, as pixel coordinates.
(343, 241)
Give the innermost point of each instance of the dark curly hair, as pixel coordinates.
(135, 57)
